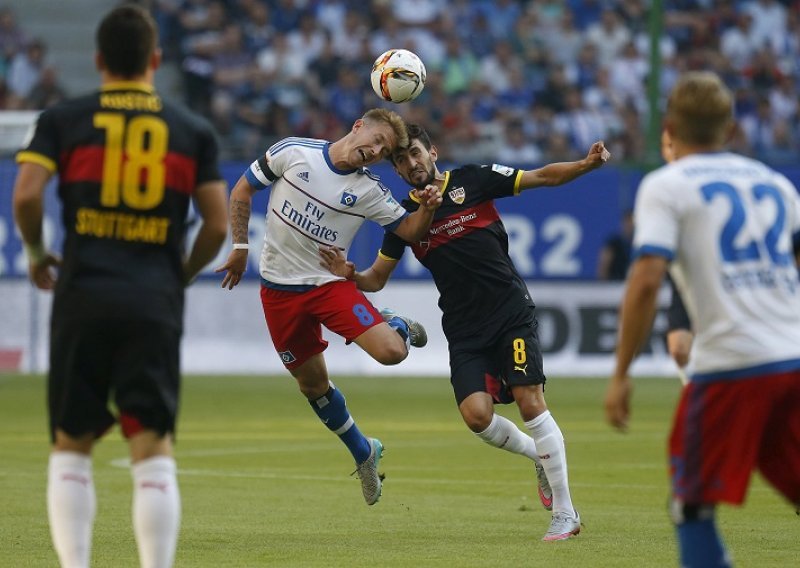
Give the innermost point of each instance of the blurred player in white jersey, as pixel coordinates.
(723, 225)
(321, 194)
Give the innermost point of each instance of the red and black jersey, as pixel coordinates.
(128, 164)
(466, 250)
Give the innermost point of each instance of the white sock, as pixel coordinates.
(503, 433)
(71, 506)
(553, 456)
(156, 510)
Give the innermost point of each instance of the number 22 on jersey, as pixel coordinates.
(736, 221)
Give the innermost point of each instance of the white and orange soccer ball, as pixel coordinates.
(398, 76)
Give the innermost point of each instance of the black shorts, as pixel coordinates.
(135, 363)
(514, 360)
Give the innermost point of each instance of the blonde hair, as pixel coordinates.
(392, 119)
(700, 109)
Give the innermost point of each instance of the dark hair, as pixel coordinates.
(417, 132)
(414, 132)
(126, 38)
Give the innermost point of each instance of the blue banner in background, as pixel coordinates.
(554, 233)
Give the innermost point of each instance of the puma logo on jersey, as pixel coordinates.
(303, 176)
(523, 369)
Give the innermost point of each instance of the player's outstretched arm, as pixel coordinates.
(241, 202)
(210, 201)
(414, 226)
(28, 211)
(372, 279)
(560, 173)
(636, 318)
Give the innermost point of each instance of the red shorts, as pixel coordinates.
(295, 319)
(724, 430)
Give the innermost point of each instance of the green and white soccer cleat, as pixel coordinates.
(417, 335)
(563, 526)
(367, 472)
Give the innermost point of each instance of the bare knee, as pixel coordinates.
(477, 411)
(148, 443)
(311, 392)
(530, 401)
(312, 377)
(383, 344)
(391, 354)
(82, 444)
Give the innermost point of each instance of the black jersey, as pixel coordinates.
(466, 250)
(128, 164)
(677, 316)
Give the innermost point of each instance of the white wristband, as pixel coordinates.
(241, 246)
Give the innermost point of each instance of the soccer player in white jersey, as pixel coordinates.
(321, 194)
(723, 225)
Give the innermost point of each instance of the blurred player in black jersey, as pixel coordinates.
(679, 328)
(488, 315)
(128, 165)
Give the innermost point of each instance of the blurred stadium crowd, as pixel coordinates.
(519, 82)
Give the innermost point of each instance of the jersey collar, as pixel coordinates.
(413, 197)
(128, 86)
(334, 169)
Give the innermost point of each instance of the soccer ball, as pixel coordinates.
(398, 76)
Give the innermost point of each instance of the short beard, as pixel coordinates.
(428, 180)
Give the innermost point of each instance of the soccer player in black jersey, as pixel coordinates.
(128, 165)
(488, 314)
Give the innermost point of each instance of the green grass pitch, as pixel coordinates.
(263, 483)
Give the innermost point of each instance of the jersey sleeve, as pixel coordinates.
(269, 167)
(381, 207)
(392, 247)
(497, 180)
(655, 219)
(43, 146)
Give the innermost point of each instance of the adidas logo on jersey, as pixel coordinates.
(303, 176)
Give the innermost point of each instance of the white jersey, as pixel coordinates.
(313, 203)
(727, 222)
